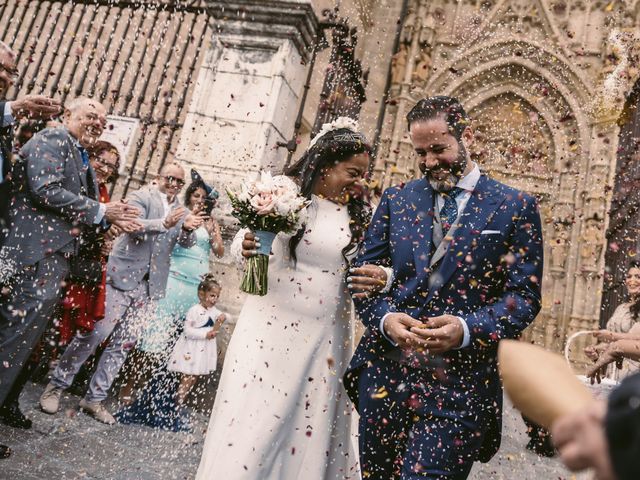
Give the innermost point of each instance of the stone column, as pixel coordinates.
(246, 99)
(248, 89)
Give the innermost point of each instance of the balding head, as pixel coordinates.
(85, 119)
(171, 180)
(84, 102)
(8, 72)
(170, 168)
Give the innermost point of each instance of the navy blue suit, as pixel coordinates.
(434, 420)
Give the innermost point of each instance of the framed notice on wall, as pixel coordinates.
(121, 132)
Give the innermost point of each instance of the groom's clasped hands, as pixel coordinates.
(436, 335)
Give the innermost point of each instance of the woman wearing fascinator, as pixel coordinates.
(188, 267)
(281, 412)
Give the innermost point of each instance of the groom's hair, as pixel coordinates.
(448, 108)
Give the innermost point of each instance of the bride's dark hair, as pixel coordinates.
(634, 301)
(333, 147)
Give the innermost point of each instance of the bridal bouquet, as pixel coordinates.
(267, 206)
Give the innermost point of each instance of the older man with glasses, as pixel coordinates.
(137, 273)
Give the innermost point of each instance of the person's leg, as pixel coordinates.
(84, 345)
(440, 448)
(384, 419)
(10, 413)
(120, 344)
(138, 369)
(24, 315)
(186, 384)
(445, 436)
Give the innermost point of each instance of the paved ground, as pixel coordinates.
(71, 445)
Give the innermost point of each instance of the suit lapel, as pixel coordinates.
(94, 188)
(77, 159)
(484, 200)
(422, 204)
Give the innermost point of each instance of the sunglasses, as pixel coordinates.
(174, 180)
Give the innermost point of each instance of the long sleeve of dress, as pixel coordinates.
(192, 325)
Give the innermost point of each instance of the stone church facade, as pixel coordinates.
(223, 85)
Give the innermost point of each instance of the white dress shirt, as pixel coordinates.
(165, 203)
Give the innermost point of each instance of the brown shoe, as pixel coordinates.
(50, 399)
(5, 452)
(98, 411)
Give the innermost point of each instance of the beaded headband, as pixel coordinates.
(340, 123)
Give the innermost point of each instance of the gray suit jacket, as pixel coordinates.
(51, 197)
(147, 252)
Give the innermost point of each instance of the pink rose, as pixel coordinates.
(264, 203)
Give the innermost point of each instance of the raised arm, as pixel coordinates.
(140, 200)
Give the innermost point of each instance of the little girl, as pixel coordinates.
(195, 352)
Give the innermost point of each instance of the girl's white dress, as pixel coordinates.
(281, 412)
(194, 353)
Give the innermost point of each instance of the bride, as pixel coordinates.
(281, 412)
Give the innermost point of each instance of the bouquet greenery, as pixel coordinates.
(267, 206)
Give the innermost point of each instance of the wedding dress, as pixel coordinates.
(281, 412)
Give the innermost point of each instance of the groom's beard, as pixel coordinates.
(455, 172)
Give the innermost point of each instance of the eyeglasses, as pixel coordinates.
(177, 181)
(12, 72)
(99, 161)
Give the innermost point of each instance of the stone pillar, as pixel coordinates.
(248, 89)
(246, 99)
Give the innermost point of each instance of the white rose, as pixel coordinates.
(285, 184)
(285, 204)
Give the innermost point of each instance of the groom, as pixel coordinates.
(466, 255)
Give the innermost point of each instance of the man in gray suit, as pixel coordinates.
(54, 199)
(137, 273)
(28, 107)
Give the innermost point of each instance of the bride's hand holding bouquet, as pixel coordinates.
(267, 206)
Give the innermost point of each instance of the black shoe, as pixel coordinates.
(5, 452)
(542, 447)
(12, 416)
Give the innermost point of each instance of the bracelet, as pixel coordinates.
(188, 230)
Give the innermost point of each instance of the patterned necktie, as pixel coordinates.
(85, 156)
(449, 211)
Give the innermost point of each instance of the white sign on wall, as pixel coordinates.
(121, 132)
